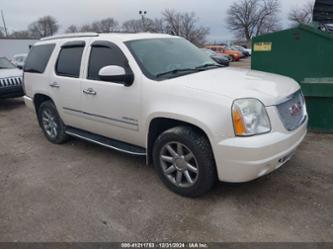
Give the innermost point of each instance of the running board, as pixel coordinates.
(106, 142)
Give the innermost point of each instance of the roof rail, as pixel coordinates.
(71, 35)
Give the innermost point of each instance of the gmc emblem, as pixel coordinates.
(295, 109)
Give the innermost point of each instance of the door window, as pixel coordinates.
(101, 56)
(69, 61)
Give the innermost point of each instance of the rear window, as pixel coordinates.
(38, 58)
(69, 62)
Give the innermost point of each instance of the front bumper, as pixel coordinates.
(11, 91)
(242, 159)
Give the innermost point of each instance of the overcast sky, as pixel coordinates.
(212, 13)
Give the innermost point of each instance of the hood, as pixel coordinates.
(238, 83)
(7, 73)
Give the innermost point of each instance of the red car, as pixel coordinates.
(236, 55)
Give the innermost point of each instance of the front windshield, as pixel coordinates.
(163, 58)
(6, 64)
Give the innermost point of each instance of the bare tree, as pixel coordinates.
(105, 26)
(21, 34)
(87, 28)
(157, 26)
(133, 26)
(172, 22)
(298, 15)
(144, 25)
(184, 25)
(72, 29)
(249, 18)
(44, 26)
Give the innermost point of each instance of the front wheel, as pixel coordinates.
(51, 123)
(184, 161)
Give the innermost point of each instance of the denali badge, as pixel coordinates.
(295, 109)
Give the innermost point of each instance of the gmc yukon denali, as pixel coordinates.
(161, 97)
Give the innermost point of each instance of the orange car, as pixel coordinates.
(236, 55)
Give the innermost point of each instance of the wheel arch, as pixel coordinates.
(159, 124)
(38, 99)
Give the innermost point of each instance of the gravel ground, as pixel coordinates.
(83, 192)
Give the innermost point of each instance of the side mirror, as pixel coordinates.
(116, 74)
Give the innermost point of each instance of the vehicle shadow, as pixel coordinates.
(263, 186)
(10, 104)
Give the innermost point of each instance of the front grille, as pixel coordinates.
(13, 81)
(292, 111)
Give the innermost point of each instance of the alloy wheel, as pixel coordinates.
(49, 123)
(179, 164)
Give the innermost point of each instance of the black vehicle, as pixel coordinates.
(10, 80)
(220, 59)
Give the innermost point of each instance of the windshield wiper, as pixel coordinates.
(176, 71)
(208, 65)
(190, 70)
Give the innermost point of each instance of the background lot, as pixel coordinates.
(83, 192)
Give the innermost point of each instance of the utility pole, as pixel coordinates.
(4, 23)
(143, 13)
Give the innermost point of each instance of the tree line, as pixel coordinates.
(185, 24)
(245, 18)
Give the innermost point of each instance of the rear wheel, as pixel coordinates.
(184, 161)
(51, 123)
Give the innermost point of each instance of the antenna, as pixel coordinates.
(4, 23)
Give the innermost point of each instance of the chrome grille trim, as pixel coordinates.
(10, 81)
(292, 111)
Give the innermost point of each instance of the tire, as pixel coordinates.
(183, 141)
(51, 123)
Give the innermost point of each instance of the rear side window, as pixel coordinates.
(38, 58)
(105, 56)
(69, 61)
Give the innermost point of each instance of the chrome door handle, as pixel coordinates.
(54, 85)
(89, 91)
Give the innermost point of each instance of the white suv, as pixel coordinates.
(162, 97)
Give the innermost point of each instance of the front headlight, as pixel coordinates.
(250, 117)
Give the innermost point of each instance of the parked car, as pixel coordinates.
(231, 50)
(219, 58)
(236, 55)
(242, 50)
(160, 97)
(249, 50)
(10, 80)
(19, 60)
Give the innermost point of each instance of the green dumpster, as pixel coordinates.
(305, 54)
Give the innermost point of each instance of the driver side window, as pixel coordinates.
(101, 56)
